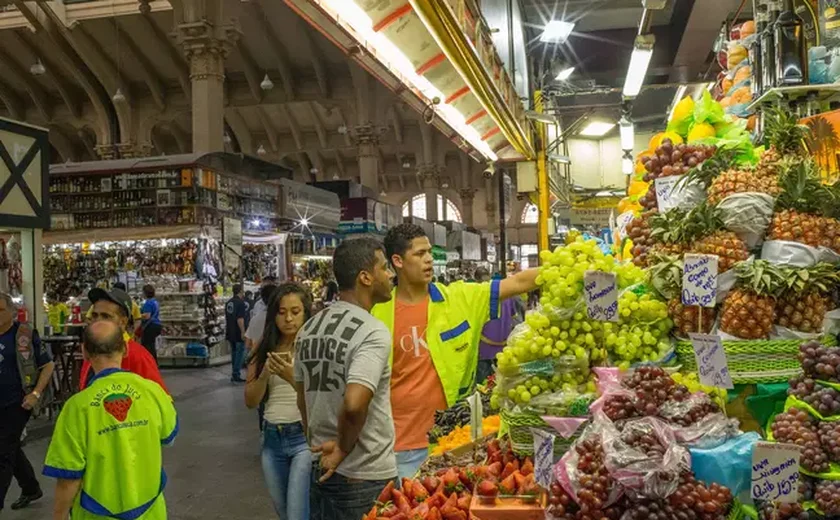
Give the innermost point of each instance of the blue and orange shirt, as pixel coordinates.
(109, 435)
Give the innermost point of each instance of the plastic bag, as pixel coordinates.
(780, 332)
(747, 215)
(644, 456)
(707, 110)
(728, 464)
(794, 254)
(567, 471)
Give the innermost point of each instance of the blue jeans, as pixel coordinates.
(409, 461)
(286, 463)
(237, 354)
(342, 498)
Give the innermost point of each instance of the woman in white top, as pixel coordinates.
(286, 459)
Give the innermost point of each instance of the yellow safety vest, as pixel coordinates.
(457, 313)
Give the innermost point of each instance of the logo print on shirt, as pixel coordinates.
(118, 406)
(414, 341)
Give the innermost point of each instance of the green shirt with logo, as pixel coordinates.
(110, 436)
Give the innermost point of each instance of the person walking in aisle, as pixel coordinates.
(105, 450)
(343, 387)
(115, 306)
(261, 306)
(235, 311)
(25, 372)
(254, 330)
(150, 315)
(286, 459)
(435, 331)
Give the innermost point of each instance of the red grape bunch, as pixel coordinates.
(639, 232)
(707, 502)
(797, 427)
(830, 439)
(560, 504)
(688, 412)
(594, 480)
(820, 362)
(644, 441)
(653, 386)
(619, 407)
(827, 497)
(770, 511)
(670, 160)
(655, 510)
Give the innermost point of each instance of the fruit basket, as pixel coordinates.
(519, 427)
(755, 361)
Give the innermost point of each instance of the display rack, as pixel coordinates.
(825, 94)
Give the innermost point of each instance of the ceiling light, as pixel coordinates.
(226, 138)
(383, 194)
(556, 31)
(627, 166)
(313, 171)
(37, 68)
(627, 130)
(597, 129)
(304, 222)
(119, 97)
(336, 177)
(266, 83)
(342, 129)
(261, 151)
(639, 62)
(406, 164)
(564, 74)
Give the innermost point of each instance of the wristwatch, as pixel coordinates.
(37, 394)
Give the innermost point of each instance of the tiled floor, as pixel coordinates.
(213, 468)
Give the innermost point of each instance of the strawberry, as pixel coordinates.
(495, 469)
(418, 492)
(385, 496)
(508, 485)
(465, 478)
(451, 502)
(402, 503)
(464, 502)
(386, 510)
(519, 478)
(451, 482)
(400, 516)
(434, 514)
(510, 467)
(431, 484)
(456, 514)
(405, 486)
(420, 512)
(118, 406)
(436, 500)
(527, 467)
(487, 488)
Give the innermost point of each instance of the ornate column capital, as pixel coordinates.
(429, 175)
(206, 46)
(144, 7)
(367, 140)
(106, 151)
(467, 195)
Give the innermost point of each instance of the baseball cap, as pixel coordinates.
(117, 296)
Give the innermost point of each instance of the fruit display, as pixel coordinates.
(795, 426)
(670, 159)
(804, 303)
(820, 362)
(461, 435)
(666, 277)
(749, 310)
(458, 414)
(827, 497)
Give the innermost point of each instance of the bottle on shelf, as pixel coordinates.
(768, 48)
(791, 48)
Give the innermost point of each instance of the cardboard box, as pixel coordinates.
(507, 509)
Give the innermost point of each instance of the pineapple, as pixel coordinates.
(784, 136)
(749, 310)
(804, 303)
(726, 245)
(741, 181)
(800, 205)
(666, 278)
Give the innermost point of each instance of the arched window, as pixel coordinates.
(530, 215)
(418, 208)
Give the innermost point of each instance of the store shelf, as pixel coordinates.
(183, 337)
(182, 320)
(77, 193)
(824, 93)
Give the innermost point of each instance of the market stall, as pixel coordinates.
(176, 223)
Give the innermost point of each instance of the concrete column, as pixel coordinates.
(368, 153)
(491, 198)
(206, 41)
(33, 275)
(467, 200)
(430, 179)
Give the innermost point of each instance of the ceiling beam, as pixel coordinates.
(400, 173)
(62, 143)
(165, 45)
(146, 69)
(270, 131)
(293, 126)
(283, 64)
(319, 126)
(182, 139)
(67, 95)
(339, 161)
(239, 127)
(317, 59)
(252, 71)
(90, 146)
(14, 105)
(396, 120)
(318, 162)
(38, 95)
(109, 73)
(340, 112)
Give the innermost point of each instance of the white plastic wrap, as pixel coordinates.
(793, 254)
(747, 215)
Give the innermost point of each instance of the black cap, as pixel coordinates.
(117, 296)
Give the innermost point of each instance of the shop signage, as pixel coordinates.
(591, 217)
(438, 235)
(700, 280)
(666, 196)
(775, 472)
(599, 289)
(712, 366)
(476, 415)
(299, 202)
(24, 175)
(382, 216)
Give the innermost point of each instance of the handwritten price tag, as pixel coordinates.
(711, 361)
(599, 289)
(476, 414)
(543, 457)
(666, 196)
(700, 274)
(775, 472)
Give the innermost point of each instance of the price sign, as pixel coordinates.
(601, 295)
(711, 361)
(700, 274)
(775, 472)
(666, 196)
(476, 415)
(543, 457)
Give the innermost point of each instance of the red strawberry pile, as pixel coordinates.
(118, 406)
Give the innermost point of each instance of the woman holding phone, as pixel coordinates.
(286, 459)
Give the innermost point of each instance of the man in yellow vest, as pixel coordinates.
(435, 331)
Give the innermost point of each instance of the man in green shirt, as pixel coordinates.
(106, 447)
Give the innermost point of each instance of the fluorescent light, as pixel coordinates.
(597, 129)
(627, 130)
(627, 166)
(556, 31)
(677, 98)
(565, 74)
(639, 61)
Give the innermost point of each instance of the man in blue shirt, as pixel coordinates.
(235, 311)
(17, 402)
(150, 315)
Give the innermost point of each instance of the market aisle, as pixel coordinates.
(213, 468)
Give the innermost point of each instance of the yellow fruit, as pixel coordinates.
(656, 140)
(747, 29)
(684, 109)
(640, 168)
(701, 131)
(637, 188)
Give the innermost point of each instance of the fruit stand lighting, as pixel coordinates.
(565, 74)
(557, 31)
(639, 62)
(597, 129)
(627, 132)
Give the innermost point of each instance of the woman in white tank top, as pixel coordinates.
(286, 459)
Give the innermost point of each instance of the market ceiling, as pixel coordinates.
(57, 58)
(601, 43)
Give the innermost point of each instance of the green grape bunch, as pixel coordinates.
(641, 335)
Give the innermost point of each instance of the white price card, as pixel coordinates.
(667, 196)
(700, 273)
(712, 366)
(621, 222)
(775, 472)
(476, 415)
(599, 289)
(543, 457)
